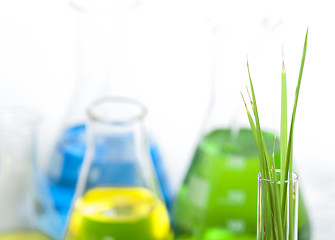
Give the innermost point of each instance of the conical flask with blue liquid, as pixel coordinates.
(117, 195)
(218, 198)
(100, 60)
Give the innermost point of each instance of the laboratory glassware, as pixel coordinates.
(26, 209)
(118, 196)
(267, 227)
(218, 198)
(100, 28)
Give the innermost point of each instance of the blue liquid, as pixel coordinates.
(69, 154)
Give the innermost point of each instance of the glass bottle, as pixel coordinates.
(267, 227)
(118, 196)
(25, 205)
(101, 27)
(218, 197)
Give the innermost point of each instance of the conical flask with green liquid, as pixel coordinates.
(218, 198)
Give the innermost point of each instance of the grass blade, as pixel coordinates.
(289, 154)
(283, 123)
(253, 129)
(290, 141)
(288, 164)
(273, 193)
(283, 141)
(262, 147)
(251, 121)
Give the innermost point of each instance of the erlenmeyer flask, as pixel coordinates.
(117, 196)
(25, 205)
(101, 26)
(218, 198)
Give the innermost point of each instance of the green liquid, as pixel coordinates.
(24, 235)
(218, 199)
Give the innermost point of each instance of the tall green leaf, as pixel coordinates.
(283, 123)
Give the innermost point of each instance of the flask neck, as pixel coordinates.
(229, 72)
(117, 144)
(101, 27)
(231, 50)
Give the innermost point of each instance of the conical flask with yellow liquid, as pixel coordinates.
(218, 197)
(102, 66)
(117, 196)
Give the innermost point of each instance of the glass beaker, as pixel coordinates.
(25, 205)
(218, 198)
(101, 63)
(118, 196)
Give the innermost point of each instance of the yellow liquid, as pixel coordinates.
(24, 235)
(106, 213)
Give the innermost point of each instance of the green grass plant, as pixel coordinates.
(276, 225)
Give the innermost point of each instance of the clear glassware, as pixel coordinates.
(25, 205)
(218, 197)
(101, 64)
(118, 196)
(269, 228)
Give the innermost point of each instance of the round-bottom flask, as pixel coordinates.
(118, 196)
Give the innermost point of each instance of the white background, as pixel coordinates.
(169, 51)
